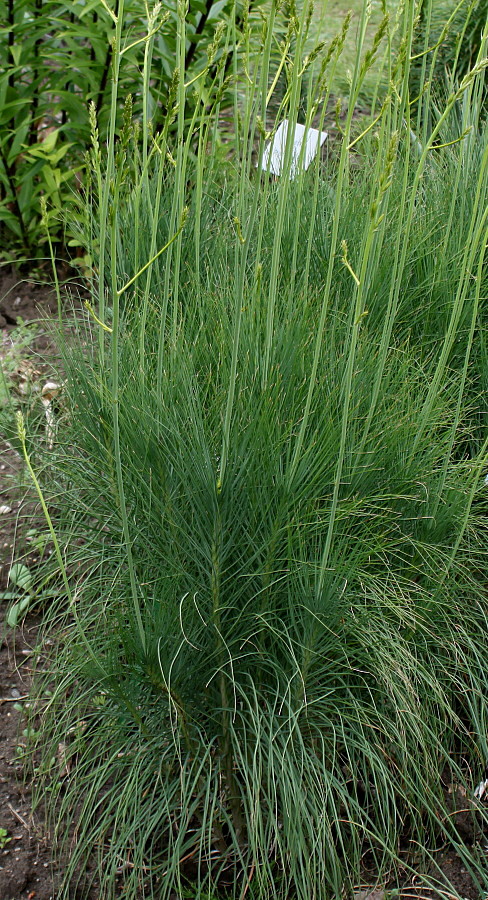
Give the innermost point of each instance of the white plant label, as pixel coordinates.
(274, 153)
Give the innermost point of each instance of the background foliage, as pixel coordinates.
(56, 59)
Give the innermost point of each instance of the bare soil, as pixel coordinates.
(26, 868)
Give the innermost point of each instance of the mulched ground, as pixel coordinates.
(27, 871)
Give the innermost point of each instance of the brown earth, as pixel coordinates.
(26, 869)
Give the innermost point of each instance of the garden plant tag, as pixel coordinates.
(274, 153)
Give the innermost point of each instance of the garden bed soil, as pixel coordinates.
(27, 870)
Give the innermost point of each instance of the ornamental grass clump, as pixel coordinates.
(269, 497)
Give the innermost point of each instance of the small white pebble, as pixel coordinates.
(4, 510)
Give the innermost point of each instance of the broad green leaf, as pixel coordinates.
(49, 142)
(17, 143)
(20, 576)
(16, 52)
(16, 611)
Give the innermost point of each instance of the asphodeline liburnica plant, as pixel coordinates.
(274, 423)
